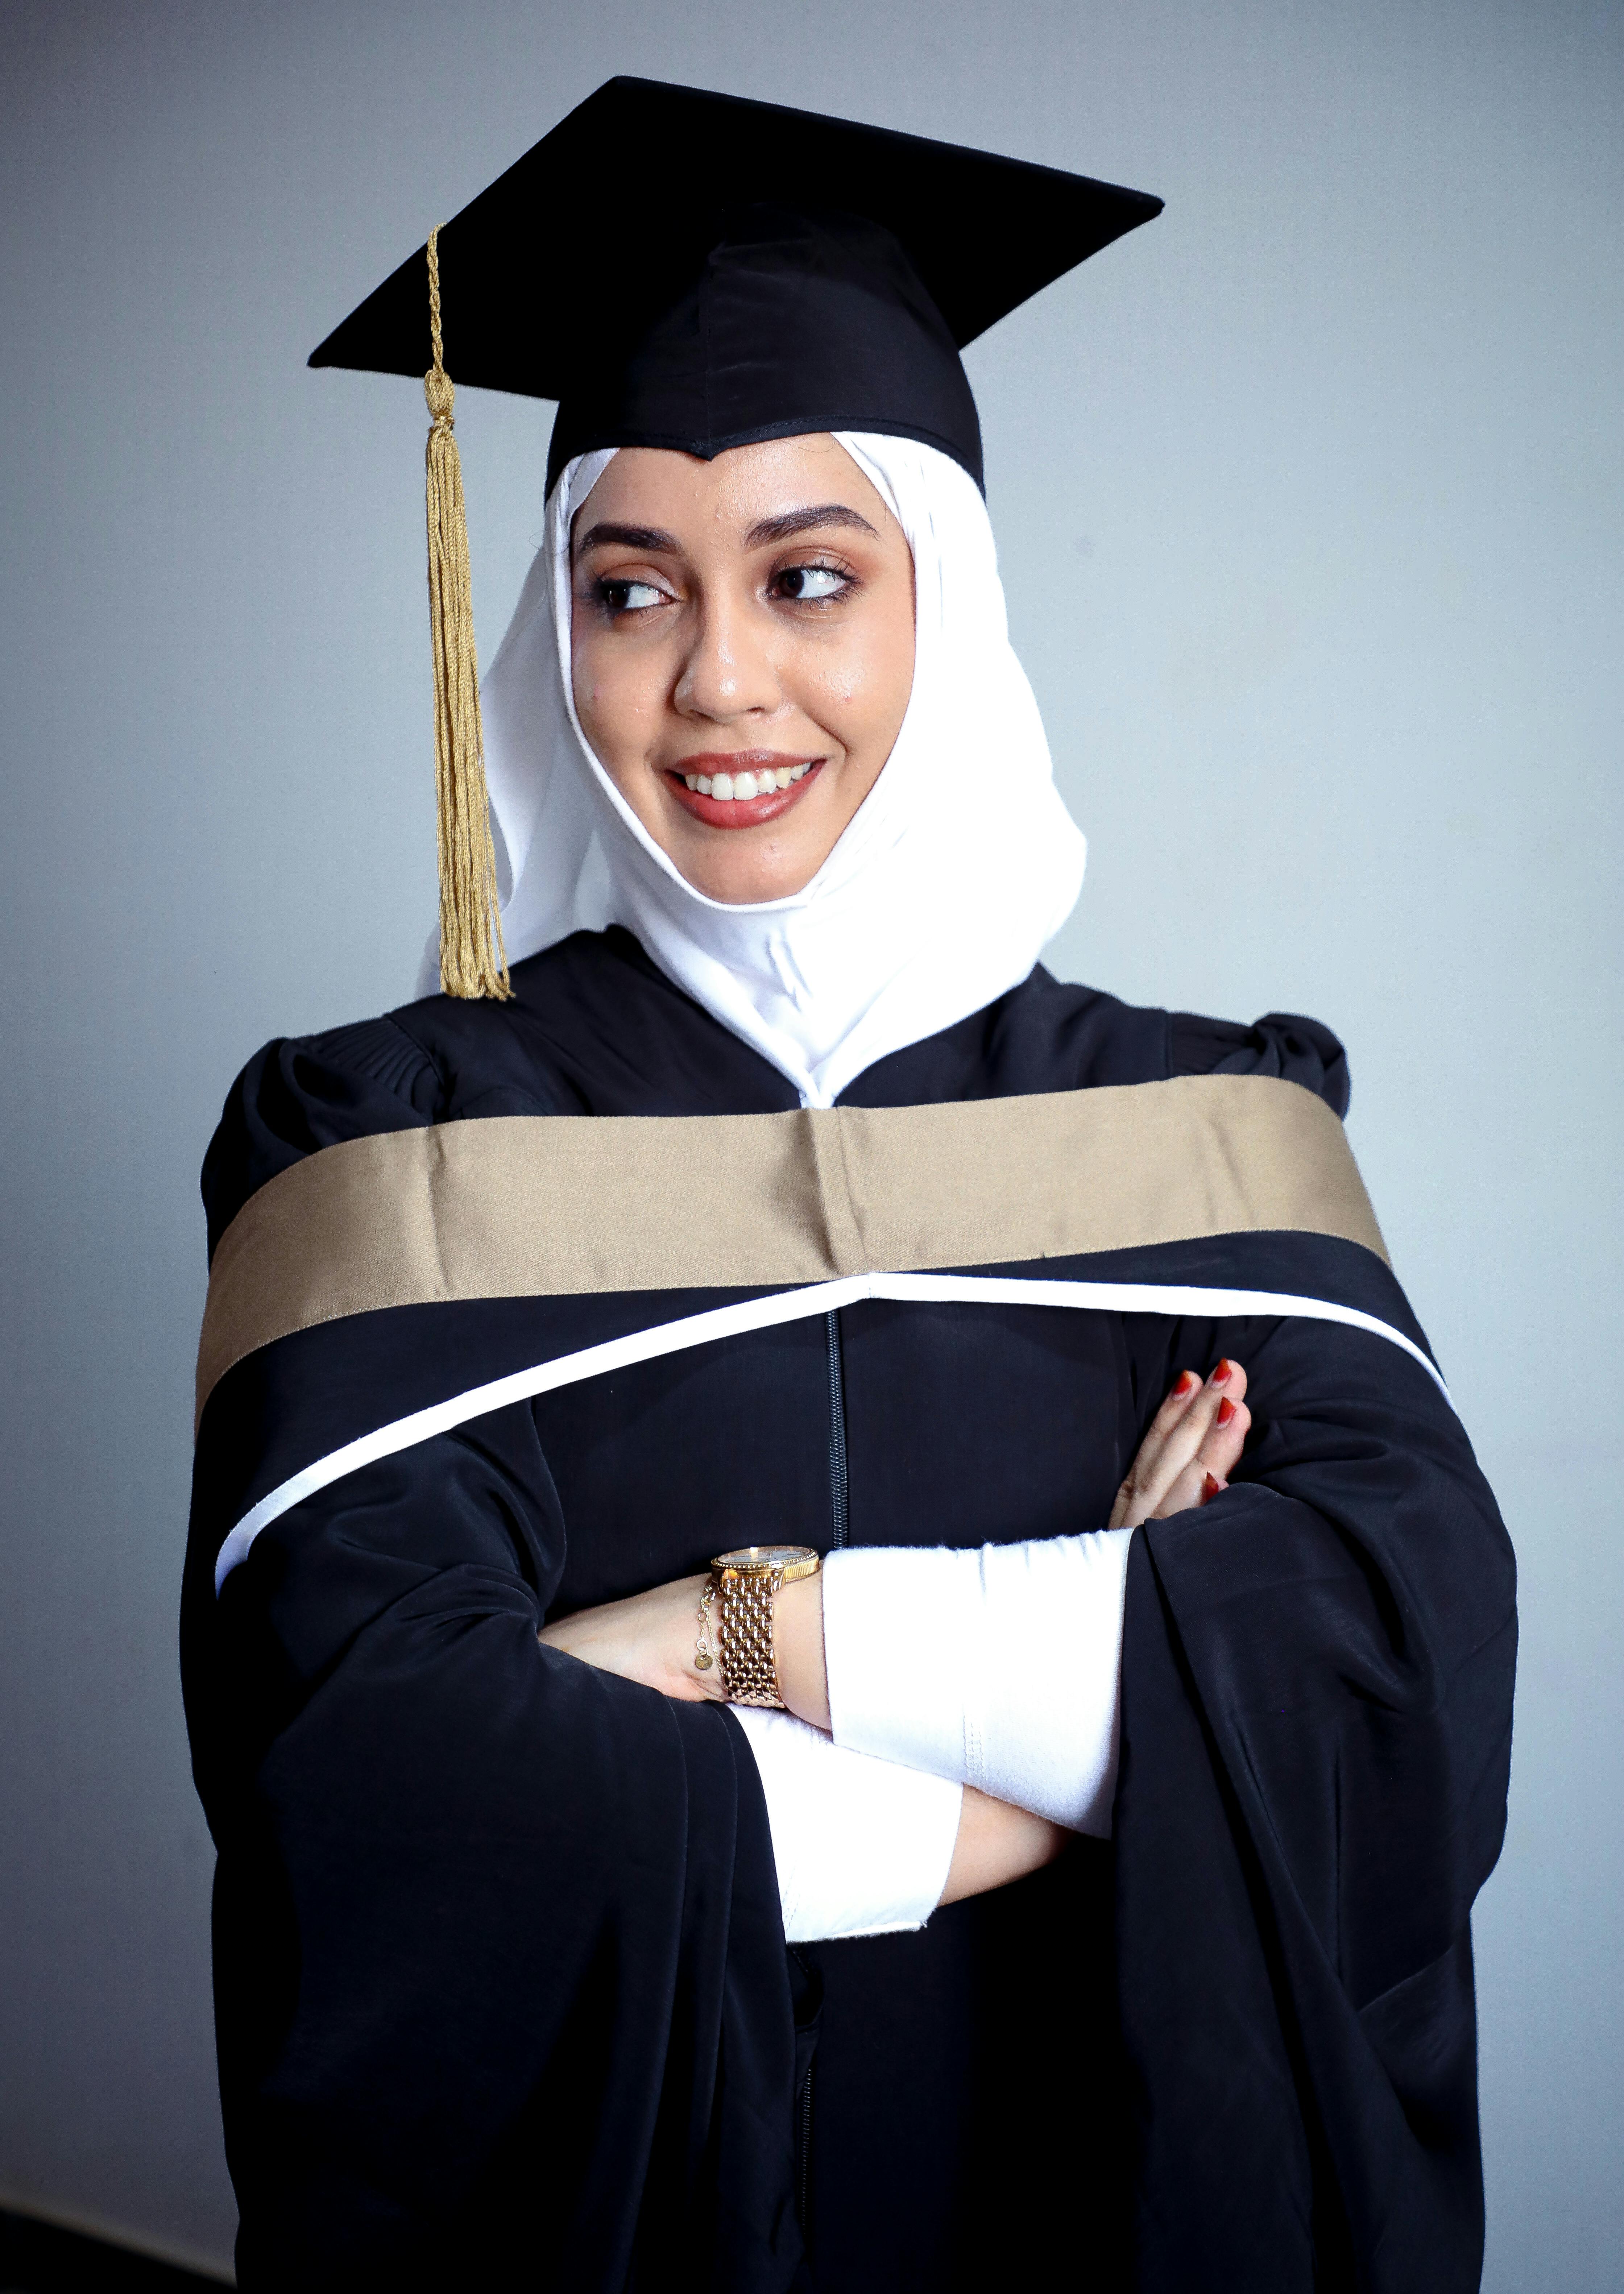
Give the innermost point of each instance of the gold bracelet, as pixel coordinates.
(705, 1656)
(747, 1584)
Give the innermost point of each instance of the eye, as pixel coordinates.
(811, 584)
(628, 597)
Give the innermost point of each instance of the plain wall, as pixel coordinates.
(1310, 504)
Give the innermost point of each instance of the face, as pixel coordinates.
(742, 651)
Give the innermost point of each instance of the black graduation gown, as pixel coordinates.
(502, 1991)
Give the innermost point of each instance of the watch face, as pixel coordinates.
(764, 1556)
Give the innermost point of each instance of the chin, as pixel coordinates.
(745, 888)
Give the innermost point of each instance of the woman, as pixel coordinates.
(1099, 1890)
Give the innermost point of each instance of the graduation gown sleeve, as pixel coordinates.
(501, 1986)
(1316, 1734)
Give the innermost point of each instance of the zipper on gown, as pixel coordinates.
(838, 1503)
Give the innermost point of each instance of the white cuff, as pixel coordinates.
(862, 1847)
(1000, 1669)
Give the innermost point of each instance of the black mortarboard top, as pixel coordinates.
(693, 270)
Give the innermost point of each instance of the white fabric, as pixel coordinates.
(862, 1847)
(939, 897)
(1000, 1669)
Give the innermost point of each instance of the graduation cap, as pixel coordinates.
(696, 272)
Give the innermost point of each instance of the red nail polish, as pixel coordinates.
(1220, 1376)
(1211, 1487)
(1225, 1412)
(1184, 1381)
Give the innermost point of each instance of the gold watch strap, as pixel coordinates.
(745, 1590)
(744, 1636)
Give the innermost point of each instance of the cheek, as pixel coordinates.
(863, 685)
(610, 700)
(584, 669)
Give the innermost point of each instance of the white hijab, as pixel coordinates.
(960, 865)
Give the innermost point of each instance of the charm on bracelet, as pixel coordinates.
(705, 1655)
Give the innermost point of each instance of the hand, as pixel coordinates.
(650, 1637)
(1193, 1446)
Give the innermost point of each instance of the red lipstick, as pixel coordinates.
(734, 809)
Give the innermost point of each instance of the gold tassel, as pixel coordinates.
(473, 961)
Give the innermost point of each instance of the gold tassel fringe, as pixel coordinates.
(473, 961)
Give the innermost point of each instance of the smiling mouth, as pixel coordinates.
(750, 790)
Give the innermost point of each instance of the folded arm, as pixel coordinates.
(955, 1712)
(428, 1831)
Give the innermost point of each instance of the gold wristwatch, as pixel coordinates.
(743, 1584)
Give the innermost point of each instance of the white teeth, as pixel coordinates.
(731, 788)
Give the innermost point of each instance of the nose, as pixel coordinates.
(728, 672)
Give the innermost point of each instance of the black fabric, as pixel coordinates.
(796, 322)
(975, 2067)
(1281, 1044)
(500, 1979)
(426, 2040)
(807, 275)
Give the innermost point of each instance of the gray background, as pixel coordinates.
(1310, 504)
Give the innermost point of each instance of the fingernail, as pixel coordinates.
(1225, 1412)
(1211, 1487)
(1220, 1376)
(1184, 1381)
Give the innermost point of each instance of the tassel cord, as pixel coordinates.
(473, 959)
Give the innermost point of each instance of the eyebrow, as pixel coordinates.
(628, 537)
(801, 521)
(608, 535)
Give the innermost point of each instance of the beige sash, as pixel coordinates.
(521, 1205)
